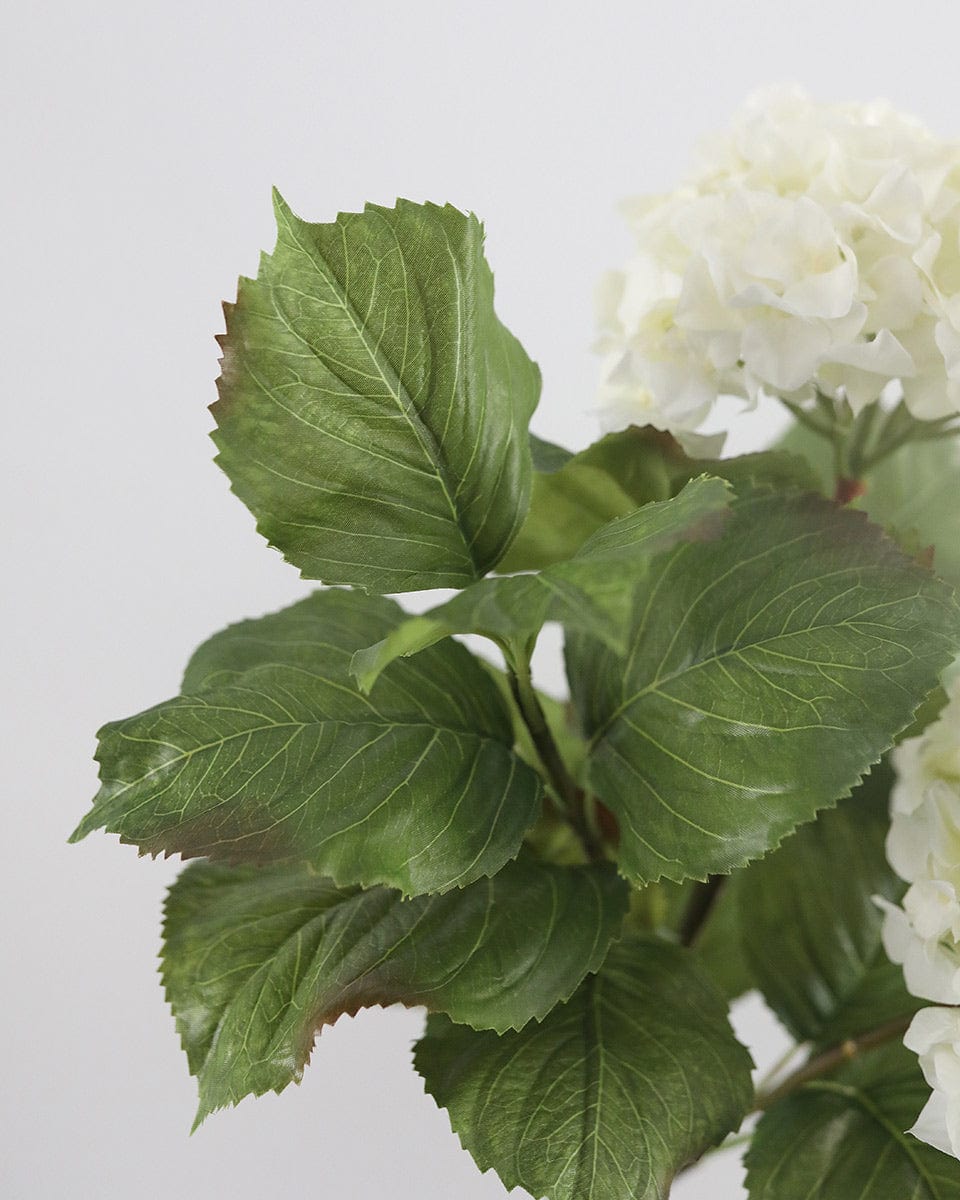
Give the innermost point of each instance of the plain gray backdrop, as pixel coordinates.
(140, 141)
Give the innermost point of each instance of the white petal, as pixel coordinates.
(948, 342)
(896, 204)
(931, 905)
(930, 972)
(897, 293)
(908, 846)
(884, 355)
(907, 793)
(931, 1026)
(931, 1126)
(699, 307)
(829, 294)
(784, 351)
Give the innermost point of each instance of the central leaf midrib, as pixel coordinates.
(118, 787)
(661, 681)
(593, 1073)
(408, 409)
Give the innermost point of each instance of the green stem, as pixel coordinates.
(571, 796)
(860, 443)
(863, 435)
(942, 431)
(907, 429)
(840, 471)
(809, 419)
(834, 421)
(898, 429)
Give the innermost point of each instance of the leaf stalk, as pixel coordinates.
(829, 1060)
(571, 795)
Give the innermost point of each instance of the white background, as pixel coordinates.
(140, 143)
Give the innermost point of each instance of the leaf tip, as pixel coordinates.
(365, 667)
(87, 825)
(281, 209)
(202, 1113)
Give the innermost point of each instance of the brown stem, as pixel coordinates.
(822, 1064)
(848, 489)
(702, 903)
(829, 1060)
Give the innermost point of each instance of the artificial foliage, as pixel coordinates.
(574, 890)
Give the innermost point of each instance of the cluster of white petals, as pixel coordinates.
(934, 1035)
(923, 847)
(817, 248)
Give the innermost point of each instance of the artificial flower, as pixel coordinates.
(815, 249)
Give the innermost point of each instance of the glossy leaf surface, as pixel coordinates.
(637, 466)
(257, 960)
(547, 456)
(607, 1097)
(373, 411)
(593, 592)
(272, 754)
(811, 928)
(843, 1138)
(767, 671)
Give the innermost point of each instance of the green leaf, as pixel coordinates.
(842, 1138)
(594, 591)
(606, 1099)
(257, 960)
(274, 755)
(621, 471)
(811, 929)
(767, 671)
(567, 507)
(719, 947)
(662, 907)
(647, 463)
(880, 996)
(913, 493)
(547, 456)
(373, 411)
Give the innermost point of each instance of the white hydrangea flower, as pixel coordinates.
(923, 847)
(817, 247)
(923, 935)
(924, 838)
(934, 1035)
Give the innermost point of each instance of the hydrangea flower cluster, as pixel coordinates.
(817, 248)
(923, 847)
